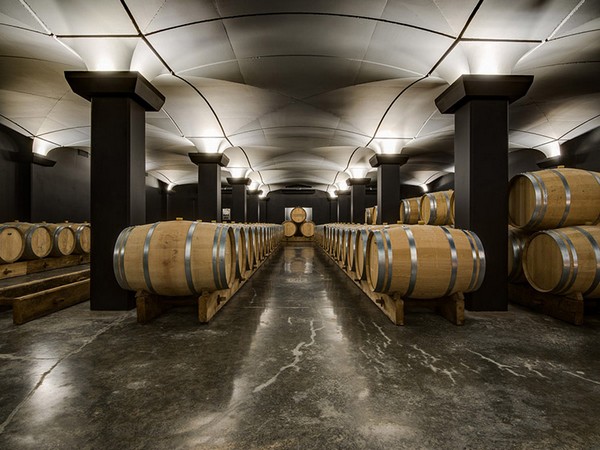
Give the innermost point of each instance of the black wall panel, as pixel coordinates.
(15, 177)
(62, 192)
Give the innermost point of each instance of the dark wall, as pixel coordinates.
(410, 191)
(156, 200)
(318, 201)
(583, 152)
(182, 201)
(15, 177)
(524, 160)
(61, 192)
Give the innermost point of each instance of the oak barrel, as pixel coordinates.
(298, 214)
(421, 261)
(289, 228)
(175, 258)
(516, 244)
(12, 244)
(63, 239)
(38, 240)
(360, 249)
(410, 209)
(83, 237)
(307, 229)
(554, 198)
(564, 261)
(241, 259)
(435, 208)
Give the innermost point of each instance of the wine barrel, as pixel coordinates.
(250, 247)
(554, 198)
(516, 244)
(83, 237)
(421, 261)
(298, 214)
(564, 261)
(410, 209)
(241, 261)
(307, 229)
(38, 240)
(12, 244)
(63, 239)
(360, 249)
(175, 258)
(289, 228)
(351, 248)
(435, 208)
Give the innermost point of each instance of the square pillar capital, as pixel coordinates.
(486, 87)
(91, 84)
(209, 158)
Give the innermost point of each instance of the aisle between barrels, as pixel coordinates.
(299, 358)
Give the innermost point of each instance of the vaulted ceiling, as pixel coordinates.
(300, 91)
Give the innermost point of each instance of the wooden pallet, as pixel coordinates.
(451, 308)
(32, 299)
(150, 306)
(22, 268)
(568, 308)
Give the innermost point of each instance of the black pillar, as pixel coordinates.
(357, 198)
(238, 198)
(118, 192)
(262, 206)
(480, 107)
(343, 204)
(388, 186)
(209, 184)
(252, 213)
(333, 209)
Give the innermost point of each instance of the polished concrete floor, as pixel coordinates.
(298, 359)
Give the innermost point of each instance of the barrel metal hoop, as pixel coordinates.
(567, 197)
(187, 258)
(389, 259)
(597, 178)
(474, 256)
(223, 262)
(119, 258)
(517, 250)
(566, 259)
(432, 208)
(412, 246)
(454, 261)
(145, 258)
(378, 236)
(596, 249)
(541, 200)
(482, 261)
(575, 260)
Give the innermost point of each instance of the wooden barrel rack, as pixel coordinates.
(32, 297)
(150, 306)
(394, 307)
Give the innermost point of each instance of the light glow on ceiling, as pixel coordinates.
(42, 147)
(238, 172)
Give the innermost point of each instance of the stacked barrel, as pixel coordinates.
(414, 261)
(432, 208)
(298, 225)
(21, 241)
(181, 257)
(554, 242)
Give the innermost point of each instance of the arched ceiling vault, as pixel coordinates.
(300, 92)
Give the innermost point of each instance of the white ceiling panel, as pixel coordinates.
(83, 17)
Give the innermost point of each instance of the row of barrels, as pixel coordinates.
(415, 261)
(553, 240)
(298, 225)
(181, 257)
(28, 241)
(432, 208)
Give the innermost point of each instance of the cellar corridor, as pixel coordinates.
(299, 358)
